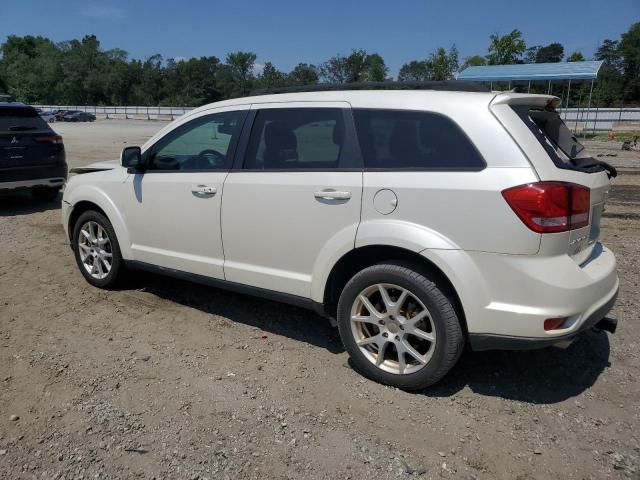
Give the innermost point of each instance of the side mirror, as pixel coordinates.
(131, 157)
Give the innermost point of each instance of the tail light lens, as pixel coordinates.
(55, 139)
(549, 207)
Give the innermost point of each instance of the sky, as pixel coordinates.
(286, 32)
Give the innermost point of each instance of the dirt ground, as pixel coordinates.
(167, 379)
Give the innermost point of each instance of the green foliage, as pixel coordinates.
(576, 57)
(34, 69)
(440, 65)
(358, 66)
(506, 49)
(630, 52)
(304, 74)
(552, 53)
(473, 61)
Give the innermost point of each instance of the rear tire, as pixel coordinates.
(47, 194)
(411, 339)
(97, 251)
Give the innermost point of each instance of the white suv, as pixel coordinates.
(418, 219)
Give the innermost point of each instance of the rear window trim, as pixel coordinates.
(478, 168)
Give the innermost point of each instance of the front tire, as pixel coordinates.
(398, 327)
(97, 250)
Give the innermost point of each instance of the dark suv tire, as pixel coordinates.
(398, 327)
(97, 251)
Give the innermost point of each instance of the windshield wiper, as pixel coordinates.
(21, 128)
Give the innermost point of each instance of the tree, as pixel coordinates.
(610, 75)
(629, 50)
(358, 66)
(507, 49)
(304, 74)
(440, 65)
(415, 71)
(236, 77)
(473, 61)
(271, 77)
(375, 69)
(443, 64)
(552, 53)
(531, 54)
(576, 57)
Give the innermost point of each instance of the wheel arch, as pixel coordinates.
(83, 200)
(359, 258)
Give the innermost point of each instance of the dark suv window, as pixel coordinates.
(400, 139)
(296, 138)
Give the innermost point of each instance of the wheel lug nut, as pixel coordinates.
(381, 322)
(397, 337)
(385, 334)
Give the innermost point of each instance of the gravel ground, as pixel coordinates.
(166, 379)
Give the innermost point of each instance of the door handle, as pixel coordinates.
(331, 194)
(204, 190)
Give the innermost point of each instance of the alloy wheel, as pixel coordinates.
(393, 328)
(94, 247)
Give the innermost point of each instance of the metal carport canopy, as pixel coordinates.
(532, 71)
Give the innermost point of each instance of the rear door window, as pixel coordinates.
(296, 139)
(414, 140)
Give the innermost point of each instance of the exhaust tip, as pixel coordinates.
(607, 324)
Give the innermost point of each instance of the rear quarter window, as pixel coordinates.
(414, 140)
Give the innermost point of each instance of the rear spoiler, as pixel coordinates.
(530, 99)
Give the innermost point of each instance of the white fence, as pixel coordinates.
(584, 119)
(135, 112)
(602, 119)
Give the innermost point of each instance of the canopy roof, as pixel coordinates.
(533, 71)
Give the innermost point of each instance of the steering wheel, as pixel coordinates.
(209, 158)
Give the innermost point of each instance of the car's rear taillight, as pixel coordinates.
(57, 139)
(549, 207)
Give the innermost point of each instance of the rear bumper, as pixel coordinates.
(33, 176)
(482, 341)
(507, 298)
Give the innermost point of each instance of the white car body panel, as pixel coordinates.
(263, 248)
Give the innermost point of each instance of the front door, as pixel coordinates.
(298, 190)
(173, 208)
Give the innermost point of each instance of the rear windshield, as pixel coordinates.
(553, 134)
(20, 119)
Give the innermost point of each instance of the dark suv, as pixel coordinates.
(32, 155)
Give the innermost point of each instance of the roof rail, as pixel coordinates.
(447, 85)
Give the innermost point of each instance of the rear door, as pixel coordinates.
(297, 188)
